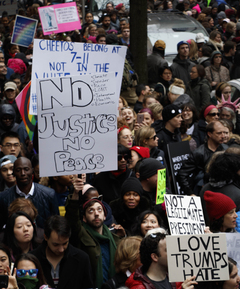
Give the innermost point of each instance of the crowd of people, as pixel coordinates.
(105, 230)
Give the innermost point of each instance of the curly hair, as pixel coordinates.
(148, 246)
(225, 168)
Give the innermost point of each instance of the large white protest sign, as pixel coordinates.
(57, 59)
(203, 256)
(233, 247)
(77, 124)
(185, 214)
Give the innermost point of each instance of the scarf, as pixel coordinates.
(106, 236)
(29, 282)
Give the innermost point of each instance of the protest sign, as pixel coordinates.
(57, 59)
(161, 186)
(59, 18)
(233, 247)
(203, 256)
(23, 31)
(178, 153)
(185, 215)
(77, 124)
(9, 5)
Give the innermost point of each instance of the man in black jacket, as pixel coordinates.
(64, 266)
(43, 198)
(197, 161)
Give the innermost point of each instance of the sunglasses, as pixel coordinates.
(125, 107)
(23, 272)
(214, 114)
(120, 157)
(154, 137)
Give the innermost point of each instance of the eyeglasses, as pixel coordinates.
(218, 56)
(10, 145)
(23, 272)
(186, 109)
(153, 137)
(214, 114)
(120, 157)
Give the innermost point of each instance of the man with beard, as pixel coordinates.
(93, 236)
(106, 23)
(63, 265)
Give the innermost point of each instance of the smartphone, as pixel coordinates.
(140, 118)
(3, 281)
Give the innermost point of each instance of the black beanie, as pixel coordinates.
(131, 184)
(149, 167)
(170, 111)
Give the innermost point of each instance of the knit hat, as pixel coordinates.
(181, 43)
(95, 200)
(170, 111)
(217, 204)
(160, 45)
(7, 159)
(215, 53)
(142, 151)
(149, 167)
(131, 184)
(119, 6)
(221, 15)
(200, 38)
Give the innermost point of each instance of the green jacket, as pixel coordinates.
(84, 240)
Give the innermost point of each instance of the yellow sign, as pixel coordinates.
(161, 186)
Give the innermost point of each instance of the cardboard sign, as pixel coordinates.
(23, 31)
(59, 18)
(178, 153)
(185, 215)
(161, 186)
(58, 59)
(77, 124)
(203, 256)
(233, 247)
(9, 5)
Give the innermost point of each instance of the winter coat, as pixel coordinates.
(196, 163)
(218, 75)
(154, 61)
(75, 270)
(138, 281)
(199, 133)
(44, 199)
(199, 90)
(109, 185)
(181, 69)
(83, 239)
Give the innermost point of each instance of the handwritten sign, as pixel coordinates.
(203, 256)
(9, 5)
(185, 215)
(161, 186)
(178, 153)
(57, 59)
(59, 18)
(77, 124)
(233, 247)
(23, 31)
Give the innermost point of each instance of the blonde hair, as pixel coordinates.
(156, 109)
(193, 52)
(142, 134)
(127, 254)
(178, 82)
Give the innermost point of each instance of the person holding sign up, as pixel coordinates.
(221, 211)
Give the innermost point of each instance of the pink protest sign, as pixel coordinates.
(59, 18)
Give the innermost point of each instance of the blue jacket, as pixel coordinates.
(44, 199)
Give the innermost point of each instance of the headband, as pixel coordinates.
(208, 109)
(5, 163)
(121, 128)
(176, 89)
